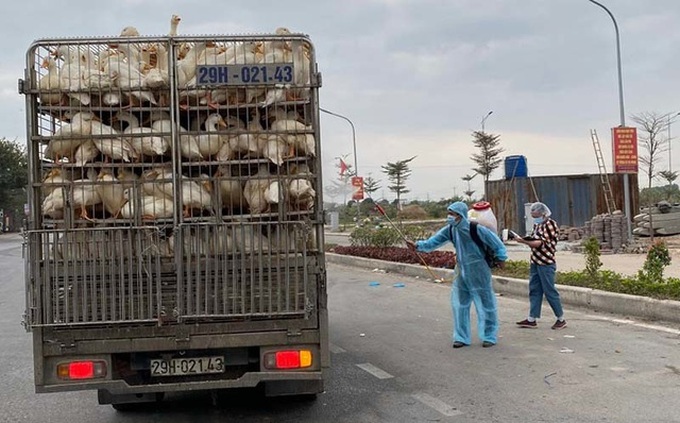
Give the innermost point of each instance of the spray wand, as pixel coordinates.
(382, 212)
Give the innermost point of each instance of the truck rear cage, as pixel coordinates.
(172, 179)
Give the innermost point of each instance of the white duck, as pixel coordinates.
(127, 177)
(114, 147)
(301, 193)
(234, 125)
(297, 135)
(196, 195)
(187, 143)
(248, 238)
(74, 72)
(186, 67)
(67, 138)
(50, 82)
(111, 192)
(209, 143)
(294, 52)
(129, 77)
(53, 204)
(158, 76)
(55, 179)
(150, 207)
(84, 194)
(158, 182)
(85, 153)
(141, 138)
(261, 191)
(248, 142)
(231, 191)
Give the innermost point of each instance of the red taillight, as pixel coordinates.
(84, 369)
(288, 359)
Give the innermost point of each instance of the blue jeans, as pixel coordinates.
(542, 281)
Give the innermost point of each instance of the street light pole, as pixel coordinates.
(622, 115)
(354, 146)
(484, 119)
(671, 117)
(354, 137)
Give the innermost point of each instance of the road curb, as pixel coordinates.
(622, 304)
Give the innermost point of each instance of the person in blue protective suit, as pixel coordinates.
(472, 282)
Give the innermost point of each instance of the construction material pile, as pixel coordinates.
(660, 219)
(608, 229)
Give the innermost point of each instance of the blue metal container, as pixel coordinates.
(516, 167)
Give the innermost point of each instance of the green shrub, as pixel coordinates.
(412, 212)
(592, 254)
(658, 257)
(514, 269)
(415, 232)
(374, 237)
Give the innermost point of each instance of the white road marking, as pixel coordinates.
(634, 323)
(437, 404)
(335, 349)
(379, 373)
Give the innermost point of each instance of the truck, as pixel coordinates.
(174, 239)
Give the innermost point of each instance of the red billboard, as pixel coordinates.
(624, 150)
(358, 188)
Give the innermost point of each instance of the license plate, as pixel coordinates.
(187, 366)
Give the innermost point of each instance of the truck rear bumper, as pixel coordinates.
(248, 380)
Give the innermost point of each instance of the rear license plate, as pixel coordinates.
(187, 366)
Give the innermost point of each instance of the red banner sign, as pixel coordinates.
(358, 186)
(624, 150)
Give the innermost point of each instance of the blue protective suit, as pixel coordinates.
(473, 283)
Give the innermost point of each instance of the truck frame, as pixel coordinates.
(153, 266)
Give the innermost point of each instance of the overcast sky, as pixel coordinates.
(417, 76)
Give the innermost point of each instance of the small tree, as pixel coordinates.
(650, 127)
(469, 191)
(341, 186)
(592, 255)
(669, 177)
(13, 170)
(371, 185)
(487, 160)
(398, 173)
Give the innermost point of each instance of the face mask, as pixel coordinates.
(538, 220)
(451, 220)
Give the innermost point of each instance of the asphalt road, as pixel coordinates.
(392, 361)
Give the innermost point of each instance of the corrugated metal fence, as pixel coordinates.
(573, 199)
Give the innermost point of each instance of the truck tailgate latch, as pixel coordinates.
(294, 332)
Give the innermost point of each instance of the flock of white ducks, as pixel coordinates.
(125, 75)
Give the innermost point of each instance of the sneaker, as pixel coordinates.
(560, 324)
(527, 324)
(487, 344)
(458, 344)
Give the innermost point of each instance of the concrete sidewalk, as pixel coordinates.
(622, 304)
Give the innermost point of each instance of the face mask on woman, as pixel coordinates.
(453, 219)
(539, 220)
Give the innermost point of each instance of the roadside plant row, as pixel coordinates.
(381, 244)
